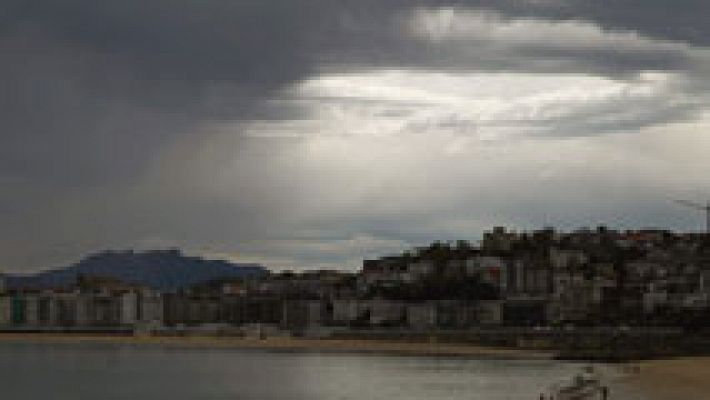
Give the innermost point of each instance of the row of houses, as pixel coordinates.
(77, 309)
(592, 277)
(142, 308)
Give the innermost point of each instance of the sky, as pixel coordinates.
(315, 133)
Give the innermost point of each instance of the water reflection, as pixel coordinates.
(135, 372)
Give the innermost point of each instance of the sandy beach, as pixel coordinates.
(292, 344)
(674, 379)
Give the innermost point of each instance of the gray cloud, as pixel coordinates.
(683, 21)
(508, 36)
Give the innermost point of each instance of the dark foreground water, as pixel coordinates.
(137, 372)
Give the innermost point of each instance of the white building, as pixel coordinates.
(564, 259)
(421, 316)
(491, 270)
(48, 309)
(151, 307)
(420, 269)
(82, 310)
(129, 308)
(490, 312)
(31, 310)
(574, 297)
(386, 312)
(345, 310)
(5, 310)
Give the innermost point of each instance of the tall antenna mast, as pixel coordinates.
(701, 207)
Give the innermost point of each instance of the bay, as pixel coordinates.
(137, 372)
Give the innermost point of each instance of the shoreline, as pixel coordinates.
(367, 346)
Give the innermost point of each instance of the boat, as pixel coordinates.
(586, 385)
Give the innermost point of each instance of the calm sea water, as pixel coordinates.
(137, 372)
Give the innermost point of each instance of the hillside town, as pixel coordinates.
(536, 280)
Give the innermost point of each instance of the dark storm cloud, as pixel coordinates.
(92, 89)
(247, 41)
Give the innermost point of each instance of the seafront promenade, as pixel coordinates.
(288, 344)
(603, 344)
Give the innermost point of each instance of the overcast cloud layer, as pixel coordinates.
(314, 133)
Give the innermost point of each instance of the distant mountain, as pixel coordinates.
(166, 270)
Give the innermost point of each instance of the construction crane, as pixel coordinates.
(701, 207)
